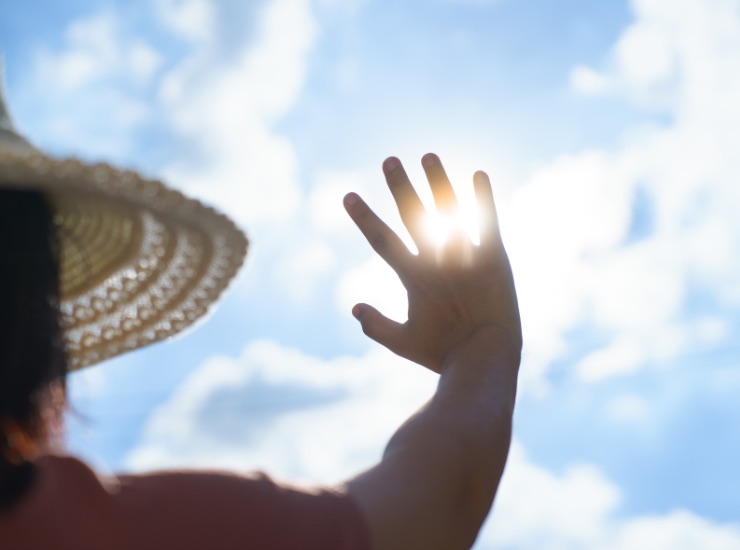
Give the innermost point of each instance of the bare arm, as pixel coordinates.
(440, 471)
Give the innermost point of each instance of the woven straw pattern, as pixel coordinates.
(139, 262)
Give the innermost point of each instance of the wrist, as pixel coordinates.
(487, 341)
(486, 363)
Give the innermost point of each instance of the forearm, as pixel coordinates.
(476, 397)
(444, 464)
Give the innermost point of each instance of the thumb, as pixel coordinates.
(378, 327)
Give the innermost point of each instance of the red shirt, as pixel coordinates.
(69, 508)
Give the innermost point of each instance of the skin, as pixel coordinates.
(441, 469)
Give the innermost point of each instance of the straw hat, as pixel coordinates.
(139, 262)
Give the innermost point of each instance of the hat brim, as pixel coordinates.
(140, 262)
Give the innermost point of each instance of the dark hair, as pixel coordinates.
(32, 354)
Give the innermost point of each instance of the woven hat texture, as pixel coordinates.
(140, 262)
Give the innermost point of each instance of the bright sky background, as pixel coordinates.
(611, 130)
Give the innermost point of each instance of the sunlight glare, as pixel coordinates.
(438, 228)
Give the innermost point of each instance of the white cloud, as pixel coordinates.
(279, 409)
(568, 214)
(193, 19)
(374, 283)
(95, 50)
(144, 62)
(579, 510)
(227, 112)
(538, 509)
(325, 210)
(300, 270)
(92, 50)
(646, 55)
(620, 357)
(567, 227)
(225, 109)
(87, 96)
(679, 530)
(587, 81)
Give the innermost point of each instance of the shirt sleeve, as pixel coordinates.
(198, 510)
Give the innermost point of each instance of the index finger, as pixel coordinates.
(381, 237)
(410, 207)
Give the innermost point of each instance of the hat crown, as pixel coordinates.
(9, 136)
(6, 123)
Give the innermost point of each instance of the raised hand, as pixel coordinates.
(455, 289)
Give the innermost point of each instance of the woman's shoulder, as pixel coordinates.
(191, 508)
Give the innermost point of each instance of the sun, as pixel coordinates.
(439, 227)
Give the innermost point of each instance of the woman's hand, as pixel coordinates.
(454, 288)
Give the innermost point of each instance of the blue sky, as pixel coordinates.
(611, 132)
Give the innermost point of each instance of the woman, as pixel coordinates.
(97, 262)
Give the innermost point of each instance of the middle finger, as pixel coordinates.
(409, 205)
(456, 242)
(444, 195)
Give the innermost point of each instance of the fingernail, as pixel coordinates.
(351, 199)
(429, 160)
(390, 164)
